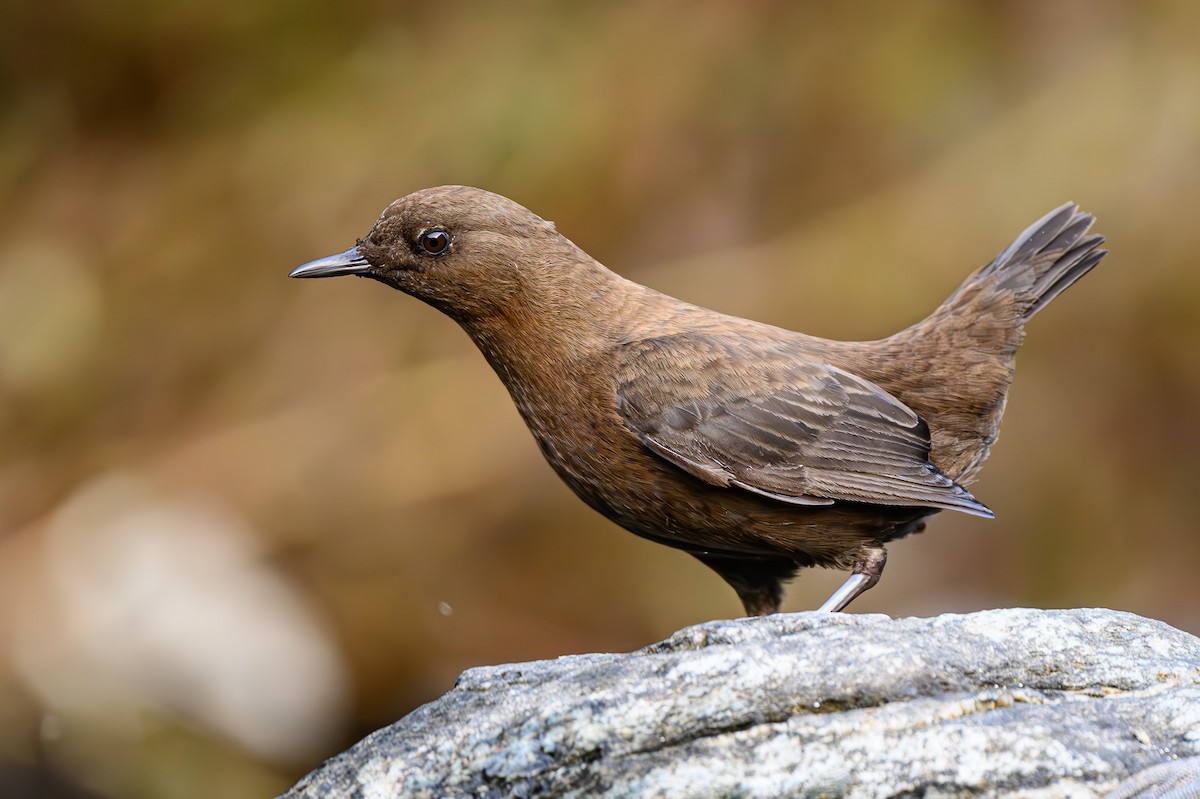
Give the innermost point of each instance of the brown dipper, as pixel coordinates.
(758, 450)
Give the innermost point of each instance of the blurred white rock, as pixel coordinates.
(162, 603)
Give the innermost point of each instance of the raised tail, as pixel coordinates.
(1040, 264)
(970, 341)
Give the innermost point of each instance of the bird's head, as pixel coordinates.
(465, 251)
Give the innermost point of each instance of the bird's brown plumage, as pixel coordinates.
(757, 449)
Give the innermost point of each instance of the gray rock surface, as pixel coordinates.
(1020, 703)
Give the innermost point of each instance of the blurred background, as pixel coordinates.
(246, 520)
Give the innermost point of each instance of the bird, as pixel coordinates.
(758, 450)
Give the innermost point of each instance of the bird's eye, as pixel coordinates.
(434, 242)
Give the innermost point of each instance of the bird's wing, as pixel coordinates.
(768, 419)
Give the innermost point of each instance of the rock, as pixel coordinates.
(1026, 703)
(1173, 779)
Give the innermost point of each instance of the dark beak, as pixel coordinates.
(349, 262)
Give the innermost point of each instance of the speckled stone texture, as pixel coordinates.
(1012, 703)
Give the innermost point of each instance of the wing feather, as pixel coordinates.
(770, 419)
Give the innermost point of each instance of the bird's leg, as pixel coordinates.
(761, 600)
(866, 573)
(758, 581)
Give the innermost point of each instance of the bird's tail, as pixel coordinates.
(967, 346)
(1040, 264)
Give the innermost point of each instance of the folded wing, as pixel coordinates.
(769, 419)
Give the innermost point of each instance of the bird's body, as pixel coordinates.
(757, 449)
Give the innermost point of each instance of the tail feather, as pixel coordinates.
(1045, 259)
(1037, 236)
(1076, 263)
